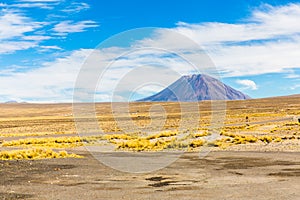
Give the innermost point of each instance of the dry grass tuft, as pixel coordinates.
(33, 154)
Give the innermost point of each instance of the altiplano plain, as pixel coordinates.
(256, 156)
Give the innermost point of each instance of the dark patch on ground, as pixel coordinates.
(70, 184)
(287, 173)
(108, 188)
(161, 184)
(20, 171)
(232, 163)
(12, 196)
(183, 188)
(156, 178)
(246, 163)
(236, 173)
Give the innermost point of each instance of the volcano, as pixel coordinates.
(197, 87)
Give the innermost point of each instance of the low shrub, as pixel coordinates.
(196, 143)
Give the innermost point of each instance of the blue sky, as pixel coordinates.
(254, 45)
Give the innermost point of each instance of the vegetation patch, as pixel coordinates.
(196, 143)
(162, 134)
(62, 142)
(143, 144)
(200, 134)
(33, 154)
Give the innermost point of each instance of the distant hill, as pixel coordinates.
(11, 102)
(15, 102)
(289, 96)
(197, 87)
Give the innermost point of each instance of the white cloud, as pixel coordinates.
(9, 47)
(51, 47)
(65, 27)
(33, 5)
(42, 4)
(52, 82)
(248, 84)
(20, 32)
(76, 7)
(292, 74)
(14, 24)
(294, 87)
(267, 42)
(43, 1)
(255, 59)
(268, 23)
(36, 37)
(43, 48)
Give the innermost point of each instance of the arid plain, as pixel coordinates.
(255, 156)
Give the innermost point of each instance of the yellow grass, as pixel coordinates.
(51, 142)
(34, 154)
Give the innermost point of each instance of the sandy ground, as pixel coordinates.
(219, 175)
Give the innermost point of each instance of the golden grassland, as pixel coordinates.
(40, 128)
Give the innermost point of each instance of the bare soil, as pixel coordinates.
(220, 175)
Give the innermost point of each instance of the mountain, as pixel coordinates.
(11, 102)
(197, 87)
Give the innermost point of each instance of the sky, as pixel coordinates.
(46, 46)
